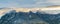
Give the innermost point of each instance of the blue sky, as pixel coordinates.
(28, 3)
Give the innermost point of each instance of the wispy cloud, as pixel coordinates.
(54, 2)
(28, 3)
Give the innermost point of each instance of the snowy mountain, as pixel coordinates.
(50, 10)
(30, 15)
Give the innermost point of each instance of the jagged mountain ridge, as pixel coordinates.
(42, 10)
(21, 17)
(26, 15)
(46, 10)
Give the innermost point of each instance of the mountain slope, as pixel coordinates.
(14, 17)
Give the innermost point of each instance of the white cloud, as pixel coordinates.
(54, 2)
(41, 3)
(51, 12)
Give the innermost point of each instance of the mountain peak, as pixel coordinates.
(47, 10)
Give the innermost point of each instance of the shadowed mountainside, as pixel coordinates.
(29, 18)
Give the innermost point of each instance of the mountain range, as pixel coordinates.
(46, 15)
(30, 17)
